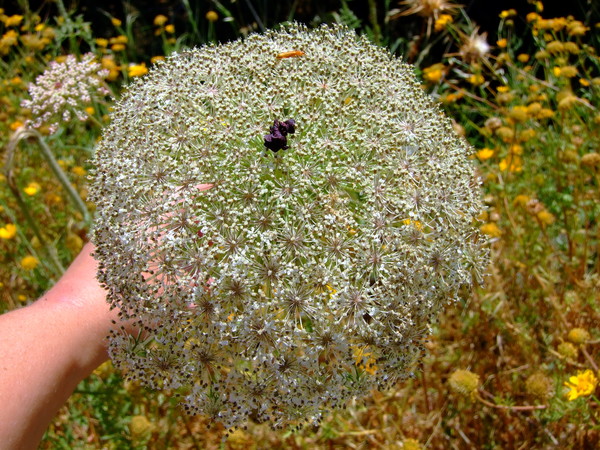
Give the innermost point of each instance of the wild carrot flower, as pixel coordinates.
(580, 385)
(339, 220)
(64, 90)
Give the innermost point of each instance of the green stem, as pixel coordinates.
(49, 156)
(50, 251)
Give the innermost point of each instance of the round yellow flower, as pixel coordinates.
(140, 426)
(29, 262)
(116, 22)
(547, 218)
(539, 385)
(79, 171)
(137, 70)
(485, 153)
(442, 21)
(212, 16)
(464, 382)
(578, 336)
(32, 188)
(160, 20)
(8, 231)
(12, 21)
(567, 350)
(433, 74)
(491, 229)
(170, 28)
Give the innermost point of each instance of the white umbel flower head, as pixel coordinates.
(338, 221)
(64, 90)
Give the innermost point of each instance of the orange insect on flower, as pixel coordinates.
(291, 54)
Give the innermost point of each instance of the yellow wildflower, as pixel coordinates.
(8, 39)
(464, 382)
(567, 350)
(502, 43)
(567, 101)
(546, 217)
(212, 16)
(90, 110)
(32, 188)
(527, 134)
(591, 159)
(8, 231)
(160, 20)
(117, 47)
(101, 42)
(539, 385)
(518, 113)
(578, 335)
(476, 79)
(15, 125)
(155, 59)
(485, 153)
(505, 133)
(507, 13)
(584, 82)
(555, 47)
(582, 384)
(433, 74)
(29, 262)
(411, 444)
(512, 164)
(502, 89)
(79, 171)
(121, 39)
(568, 71)
(22, 298)
(491, 229)
(545, 113)
(442, 21)
(13, 21)
(574, 28)
(116, 22)
(521, 200)
(140, 427)
(523, 57)
(137, 70)
(572, 47)
(170, 28)
(532, 17)
(516, 149)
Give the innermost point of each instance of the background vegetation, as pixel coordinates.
(513, 366)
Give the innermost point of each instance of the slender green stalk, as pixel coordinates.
(49, 156)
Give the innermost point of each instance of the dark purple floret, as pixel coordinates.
(277, 139)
